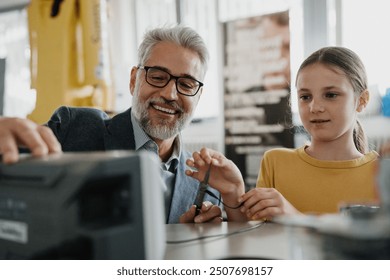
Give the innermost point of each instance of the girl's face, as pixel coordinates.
(327, 103)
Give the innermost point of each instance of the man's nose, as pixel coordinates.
(169, 92)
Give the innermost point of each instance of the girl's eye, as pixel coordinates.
(304, 97)
(331, 95)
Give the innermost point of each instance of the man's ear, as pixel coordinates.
(200, 92)
(133, 76)
(363, 100)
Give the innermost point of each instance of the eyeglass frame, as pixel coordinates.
(146, 68)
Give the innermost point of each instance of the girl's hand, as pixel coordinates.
(265, 203)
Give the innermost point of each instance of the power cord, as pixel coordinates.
(222, 235)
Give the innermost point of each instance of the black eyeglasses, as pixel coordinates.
(159, 78)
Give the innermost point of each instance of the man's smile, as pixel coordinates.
(170, 108)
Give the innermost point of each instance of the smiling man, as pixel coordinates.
(166, 87)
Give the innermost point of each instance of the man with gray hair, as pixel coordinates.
(166, 86)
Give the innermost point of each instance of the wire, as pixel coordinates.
(220, 201)
(223, 235)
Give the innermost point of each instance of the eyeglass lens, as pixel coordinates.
(160, 78)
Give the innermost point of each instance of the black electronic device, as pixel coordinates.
(363, 231)
(99, 205)
(202, 191)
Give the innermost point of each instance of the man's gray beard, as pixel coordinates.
(164, 129)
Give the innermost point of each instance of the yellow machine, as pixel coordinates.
(70, 60)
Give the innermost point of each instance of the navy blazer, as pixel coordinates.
(89, 129)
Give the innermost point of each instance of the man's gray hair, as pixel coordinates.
(179, 35)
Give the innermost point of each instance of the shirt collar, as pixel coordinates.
(144, 142)
(140, 137)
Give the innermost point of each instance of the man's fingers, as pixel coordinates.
(49, 139)
(208, 213)
(217, 220)
(33, 141)
(188, 217)
(8, 149)
(16, 132)
(26, 133)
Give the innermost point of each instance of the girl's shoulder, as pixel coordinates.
(281, 152)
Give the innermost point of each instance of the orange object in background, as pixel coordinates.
(70, 58)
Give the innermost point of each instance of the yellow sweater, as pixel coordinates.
(318, 186)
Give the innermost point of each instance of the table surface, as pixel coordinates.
(250, 240)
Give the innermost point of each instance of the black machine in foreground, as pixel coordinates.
(100, 205)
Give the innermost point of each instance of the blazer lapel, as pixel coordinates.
(184, 193)
(119, 132)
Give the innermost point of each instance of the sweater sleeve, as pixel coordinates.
(78, 129)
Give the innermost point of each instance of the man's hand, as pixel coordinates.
(224, 177)
(208, 213)
(16, 132)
